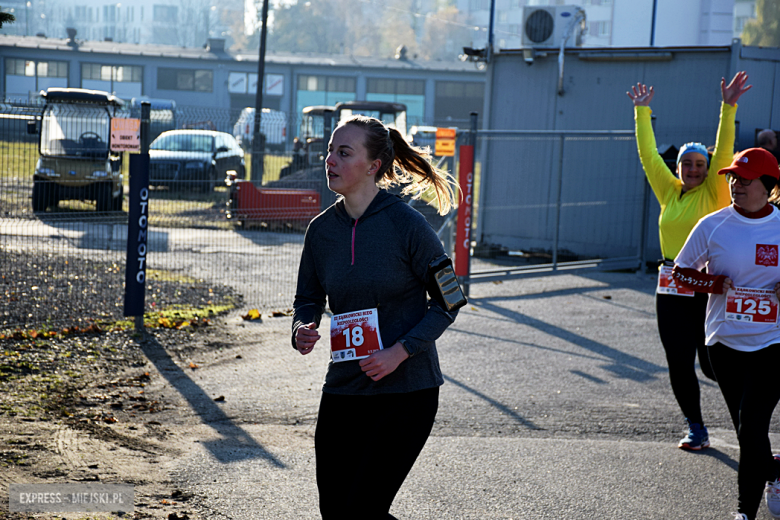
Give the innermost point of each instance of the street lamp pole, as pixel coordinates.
(258, 143)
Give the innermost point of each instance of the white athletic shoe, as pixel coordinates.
(740, 516)
(772, 495)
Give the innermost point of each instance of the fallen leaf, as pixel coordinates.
(220, 398)
(193, 365)
(253, 314)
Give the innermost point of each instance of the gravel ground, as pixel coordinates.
(71, 387)
(36, 292)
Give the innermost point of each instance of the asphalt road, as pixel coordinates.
(556, 405)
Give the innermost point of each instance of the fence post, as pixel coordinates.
(137, 226)
(466, 208)
(559, 179)
(326, 196)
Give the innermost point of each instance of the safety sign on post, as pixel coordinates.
(125, 135)
(445, 142)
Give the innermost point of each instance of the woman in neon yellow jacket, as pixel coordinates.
(685, 198)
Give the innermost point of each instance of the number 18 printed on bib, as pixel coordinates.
(354, 335)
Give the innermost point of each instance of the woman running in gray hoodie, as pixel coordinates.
(369, 257)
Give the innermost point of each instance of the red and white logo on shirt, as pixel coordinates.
(766, 254)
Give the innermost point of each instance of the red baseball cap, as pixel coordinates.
(752, 164)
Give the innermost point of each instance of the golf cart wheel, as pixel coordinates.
(103, 202)
(44, 195)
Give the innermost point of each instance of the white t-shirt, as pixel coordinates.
(745, 250)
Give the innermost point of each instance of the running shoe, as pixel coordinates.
(740, 516)
(772, 495)
(698, 438)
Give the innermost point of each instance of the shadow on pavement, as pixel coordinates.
(720, 456)
(235, 444)
(624, 365)
(497, 405)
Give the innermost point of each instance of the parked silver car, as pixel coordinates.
(194, 159)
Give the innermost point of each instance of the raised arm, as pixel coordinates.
(734, 90)
(724, 141)
(659, 176)
(641, 95)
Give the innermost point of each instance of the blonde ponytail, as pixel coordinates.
(405, 164)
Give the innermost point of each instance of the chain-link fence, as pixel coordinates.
(215, 239)
(221, 236)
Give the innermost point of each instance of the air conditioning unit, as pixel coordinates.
(546, 26)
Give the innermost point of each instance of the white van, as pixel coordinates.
(273, 124)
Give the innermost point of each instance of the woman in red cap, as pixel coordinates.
(739, 246)
(684, 199)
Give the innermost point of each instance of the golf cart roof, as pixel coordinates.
(379, 106)
(80, 95)
(317, 110)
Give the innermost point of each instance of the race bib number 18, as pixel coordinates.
(751, 305)
(354, 335)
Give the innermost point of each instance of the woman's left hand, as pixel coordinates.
(777, 290)
(379, 364)
(732, 92)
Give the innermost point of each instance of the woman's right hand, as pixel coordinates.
(305, 338)
(641, 96)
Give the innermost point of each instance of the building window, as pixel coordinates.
(122, 73)
(43, 69)
(164, 13)
(455, 100)
(396, 86)
(479, 5)
(739, 24)
(185, 79)
(326, 83)
(323, 90)
(600, 29)
(110, 13)
(25, 78)
(410, 92)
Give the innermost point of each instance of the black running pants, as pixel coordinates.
(750, 386)
(681, 327)
(365, 447)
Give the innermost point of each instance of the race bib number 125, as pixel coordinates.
(354, 335)
(751, 305)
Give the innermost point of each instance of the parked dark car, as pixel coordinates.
(194, 159)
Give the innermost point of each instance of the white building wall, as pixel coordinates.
(631, 23)
(617, 23)
(744, 10)
(131, 21)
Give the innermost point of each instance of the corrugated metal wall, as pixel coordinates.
(603, 185)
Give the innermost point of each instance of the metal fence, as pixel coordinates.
(211, 243)
(554, 201)
(548, 203)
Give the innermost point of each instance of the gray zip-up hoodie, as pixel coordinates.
(377, 261)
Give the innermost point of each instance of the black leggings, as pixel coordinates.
(748, 382)
(681, 327)
(365, 447)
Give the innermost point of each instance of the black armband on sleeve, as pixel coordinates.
(443, 286)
